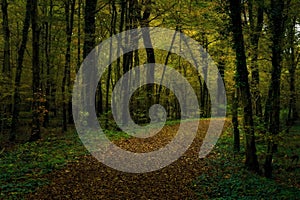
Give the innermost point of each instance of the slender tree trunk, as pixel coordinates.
(78, 59)
(136, 16)
(221, 86)
(292, 63)
(204, 96)
(36, 89)
(112, 31)
(21, 51)
(89, 26)
(255, 29)
(6, 36)
(6, 70)
(276, 17)
(242, 82)
(79, 35)
(47, 51)
(89, 44)
(128, 57)
(165, 66)
(149, 51)
(66, 83)
(235, 122)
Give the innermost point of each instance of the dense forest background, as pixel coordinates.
(254, 44)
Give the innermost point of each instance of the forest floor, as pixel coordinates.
(59, 167)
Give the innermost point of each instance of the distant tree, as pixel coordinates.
(292, 57)
(47, 32)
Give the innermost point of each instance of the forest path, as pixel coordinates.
(87, 178)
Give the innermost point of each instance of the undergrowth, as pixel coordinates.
(22, 170)
(227, 178)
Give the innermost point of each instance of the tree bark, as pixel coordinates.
(21, 51)
(272, 114)
(112, 31)
(6, 57)
(66, 82)
(292, 63)
(149, 51)
(47, 52)
(36, 89)
(243, 84)
(235, 122)
(89, 44)
(255, 31)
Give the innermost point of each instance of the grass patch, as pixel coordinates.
(225, 176)
(22, 170)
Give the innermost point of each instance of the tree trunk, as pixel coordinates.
(112, 31)
(89, 44)
(235, 122)
(292, 63)
(21, 51)
(276, 17)
(149, 51)
(255, 31)
(221, 86)
(47, 51)
(36, 90)
(66, 82)
(6, 36)
(165, 66)
(243, 84)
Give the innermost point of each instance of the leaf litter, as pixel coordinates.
(87, 178)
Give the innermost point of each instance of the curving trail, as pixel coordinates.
(89, 179)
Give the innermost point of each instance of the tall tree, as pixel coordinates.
(292, 58)
(89, 26)
(243, 84)
(256, 25)
(79, 35)
(276, 15)
(21, 51)
(150, 51)
(6, 57)
(70, 116)
(112, 31)
(89, 44)
(36, 88)
(126, 7)
(66, 82)
(47, 53)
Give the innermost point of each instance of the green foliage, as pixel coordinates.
(226, 177)
(241, 185)
(116, 135)
(21, 170)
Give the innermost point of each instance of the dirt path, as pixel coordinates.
(89, 179)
